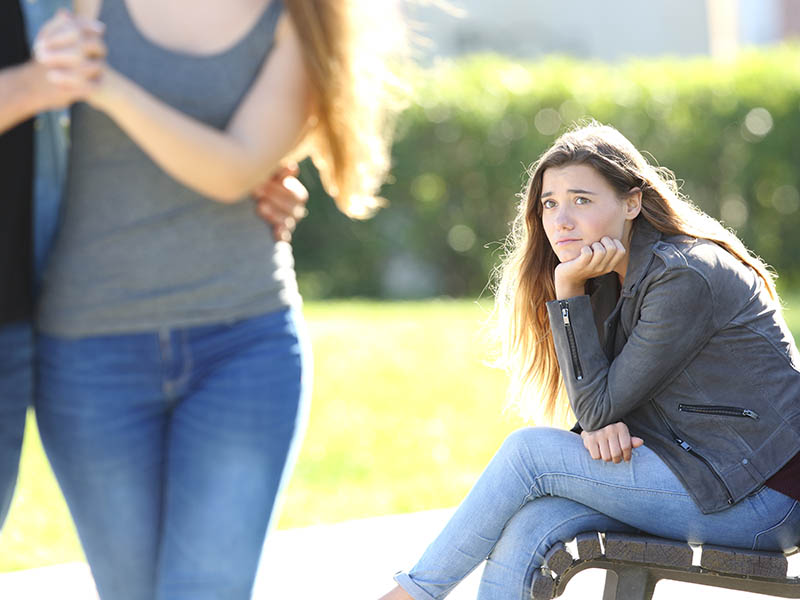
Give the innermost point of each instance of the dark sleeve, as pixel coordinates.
(16, 178)
(676, 321)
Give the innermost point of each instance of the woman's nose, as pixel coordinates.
(562, 219)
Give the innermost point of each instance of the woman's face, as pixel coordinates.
(579, 207)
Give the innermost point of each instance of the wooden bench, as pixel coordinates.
(634, 564)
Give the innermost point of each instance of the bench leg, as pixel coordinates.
(629, 583)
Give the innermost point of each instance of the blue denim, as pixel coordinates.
(50, 169)
(172, 447)
(16, 390)
(16, 339)
(543, 487)
(51, 145)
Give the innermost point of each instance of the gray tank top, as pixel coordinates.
(138, 251)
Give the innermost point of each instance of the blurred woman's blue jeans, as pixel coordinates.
(172, 447)
(543, 487)
(16, 391)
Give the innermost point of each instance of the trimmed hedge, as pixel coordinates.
(730, 132)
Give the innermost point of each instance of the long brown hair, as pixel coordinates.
(526, 276)
(354, 100)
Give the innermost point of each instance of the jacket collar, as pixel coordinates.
(644, 237)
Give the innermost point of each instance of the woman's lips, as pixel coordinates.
(565, 241)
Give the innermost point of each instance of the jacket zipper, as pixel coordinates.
(573, 347)
(727, 411)
(686, 446)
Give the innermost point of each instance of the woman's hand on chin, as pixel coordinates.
(598, 259)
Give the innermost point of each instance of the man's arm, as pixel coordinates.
(25, 91)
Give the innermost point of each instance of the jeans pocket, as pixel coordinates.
(783, 535)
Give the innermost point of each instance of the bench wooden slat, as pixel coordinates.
(543, 586)
(646, 549)
(589, 546)
(744, 562)
(621, 546)
(669, 553)
(635, 563)
(558, 559)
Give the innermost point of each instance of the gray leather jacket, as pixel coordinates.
(694, 358)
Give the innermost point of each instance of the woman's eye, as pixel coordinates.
(582, 200)
(548, 203)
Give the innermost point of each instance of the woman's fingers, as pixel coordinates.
(605, 449)
(90, 26)
(606, 254)
(612, 443)
(63, 37)
(615, 448)
(624, 441)
(590, 443)
(93, 70)
(615, 252)
(66, 40)
(63, 58)
(70, 54)
(54, 26)
(94, 47)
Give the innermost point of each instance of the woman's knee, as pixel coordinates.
(525, 541)
(530, 441)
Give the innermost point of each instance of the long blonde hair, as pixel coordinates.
(354, 101)
(526, 274)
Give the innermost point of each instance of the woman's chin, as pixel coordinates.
(566, 256)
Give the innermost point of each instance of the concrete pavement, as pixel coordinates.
(354, 560)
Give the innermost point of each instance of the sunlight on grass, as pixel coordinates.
(406, 414)
(39, 530)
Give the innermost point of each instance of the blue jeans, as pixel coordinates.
(543, 487)
(171, 448)
(16, 392)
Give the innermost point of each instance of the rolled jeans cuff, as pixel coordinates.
(408, 584)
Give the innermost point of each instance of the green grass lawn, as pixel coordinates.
(405, 416)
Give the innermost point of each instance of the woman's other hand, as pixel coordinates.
(72, 51)
(281, 202)
(611, 443)
(598, 259)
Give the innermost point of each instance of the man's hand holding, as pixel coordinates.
(70, 53)
(281, 202)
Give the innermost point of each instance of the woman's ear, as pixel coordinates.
(633, 203)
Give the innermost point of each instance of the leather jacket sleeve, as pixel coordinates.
(676, 319)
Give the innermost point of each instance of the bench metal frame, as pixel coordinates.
(635, 564)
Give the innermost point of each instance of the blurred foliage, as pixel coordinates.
(729, 131)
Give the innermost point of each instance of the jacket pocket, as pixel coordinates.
(716, 409)
(690, 450)
(573, 346)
